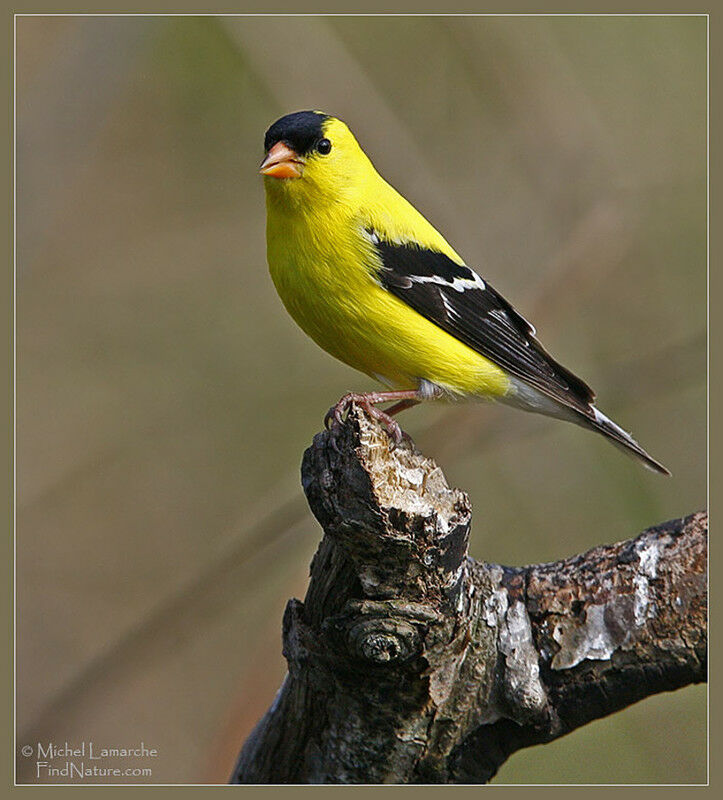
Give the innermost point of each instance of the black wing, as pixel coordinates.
(464, 305)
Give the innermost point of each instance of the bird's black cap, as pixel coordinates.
(300, 131)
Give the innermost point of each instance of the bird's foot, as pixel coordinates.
(335, 415)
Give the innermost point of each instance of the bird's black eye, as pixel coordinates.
(323, 146)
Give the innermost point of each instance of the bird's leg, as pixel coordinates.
(402, 405)
(368, 402)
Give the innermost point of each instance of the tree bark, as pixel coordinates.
(409, 662)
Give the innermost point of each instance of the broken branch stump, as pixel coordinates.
(409, 662)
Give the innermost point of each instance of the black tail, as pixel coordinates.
(599, 422)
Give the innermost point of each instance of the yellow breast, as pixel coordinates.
(322, 267)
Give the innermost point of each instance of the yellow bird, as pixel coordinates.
(374, 284)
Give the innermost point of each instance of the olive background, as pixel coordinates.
(164, 397)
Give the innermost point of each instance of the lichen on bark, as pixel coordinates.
(410, 662)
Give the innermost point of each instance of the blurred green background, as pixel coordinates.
(164, 397)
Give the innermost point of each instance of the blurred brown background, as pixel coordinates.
(164, 397)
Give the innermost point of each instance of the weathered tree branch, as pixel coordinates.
(410, 662)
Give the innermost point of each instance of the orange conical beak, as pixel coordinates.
(282, 162)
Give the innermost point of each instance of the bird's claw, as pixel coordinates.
(329, 418)
(334, 417)
(396, 434)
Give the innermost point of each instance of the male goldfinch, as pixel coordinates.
(374, 284)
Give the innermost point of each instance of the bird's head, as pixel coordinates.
(313, 158)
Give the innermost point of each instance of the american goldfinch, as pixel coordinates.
(374, 284)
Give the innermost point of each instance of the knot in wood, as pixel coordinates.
(383, 641)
